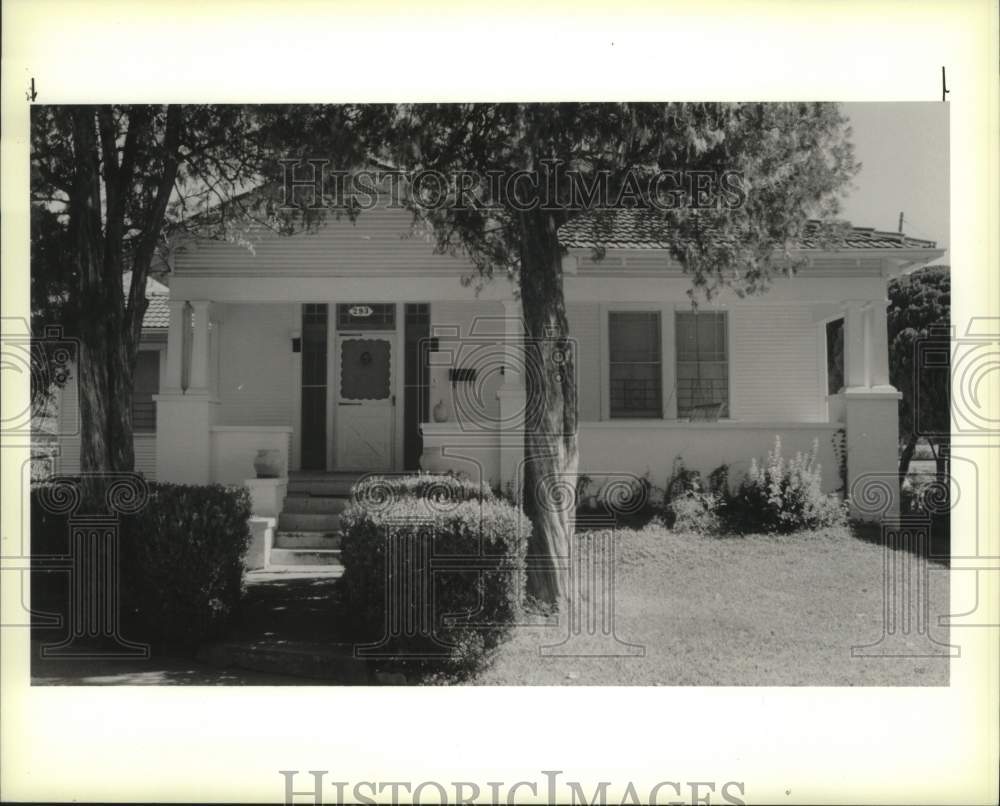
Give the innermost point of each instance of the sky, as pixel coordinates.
(903, 148)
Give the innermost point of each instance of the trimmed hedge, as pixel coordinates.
(377, 492)
(455, 615)
(180, 561)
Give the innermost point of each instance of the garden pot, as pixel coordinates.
(267, 463)
(440, 412)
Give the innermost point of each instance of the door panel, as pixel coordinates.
(365, 403)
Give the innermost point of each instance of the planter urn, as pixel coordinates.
(267, 463)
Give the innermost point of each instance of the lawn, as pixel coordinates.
(756, 610)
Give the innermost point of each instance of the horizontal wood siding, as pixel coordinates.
(585, 328)
(473, 332)
(144, 446)
(379, 241)
(775, 367)
(256, 377)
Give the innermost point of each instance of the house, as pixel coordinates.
(357, 348)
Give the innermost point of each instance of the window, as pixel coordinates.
(636, 377)
(313, 351)
(145, 384)
(702, 365)
(376, 316)
(834, 356)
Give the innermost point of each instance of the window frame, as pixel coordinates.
(666, 363)
(160, 352)
(727, 411)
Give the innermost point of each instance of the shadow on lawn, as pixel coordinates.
(938, 550)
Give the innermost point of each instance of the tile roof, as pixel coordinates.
(644, 229)
(157, 314)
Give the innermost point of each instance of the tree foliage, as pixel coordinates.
(919, 322)
(119, 181)
(110, 187)
(794, 159)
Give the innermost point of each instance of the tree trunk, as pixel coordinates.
(111, 324)
(906, 456)
(550, 445)
(940, 449)
(107, 352)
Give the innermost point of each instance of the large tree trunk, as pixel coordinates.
(107, 353)
(550, 444)
(110, 323)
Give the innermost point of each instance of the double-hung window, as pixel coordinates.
(636, 366)
(702, 364)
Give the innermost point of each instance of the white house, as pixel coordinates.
(357, 348)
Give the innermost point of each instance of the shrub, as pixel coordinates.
(180, 561)
(443, 488)
(694, 512)
(780, 496)
(691, 505)
(458, 613)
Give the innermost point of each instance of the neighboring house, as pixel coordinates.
(358, 348)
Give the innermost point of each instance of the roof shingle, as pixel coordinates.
(157, 314)
(644, 229)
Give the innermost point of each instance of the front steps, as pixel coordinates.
(308, 535)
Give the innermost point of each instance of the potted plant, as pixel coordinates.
(267, 464)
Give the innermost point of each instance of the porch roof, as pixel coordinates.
(645, 229)
(157, 316)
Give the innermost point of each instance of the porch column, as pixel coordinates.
(185, 414)
(872, 416)
(512, 398)
(200, 348)
(878, 343)
(855, 349)
(175, 346)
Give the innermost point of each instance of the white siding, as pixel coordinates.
(256, 377)
(473, 334)
(775, 368)
(585, 328)
(380, 240)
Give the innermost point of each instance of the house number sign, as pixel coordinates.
(360, 311)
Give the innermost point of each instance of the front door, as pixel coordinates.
(365, 411)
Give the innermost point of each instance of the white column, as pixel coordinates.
(175, 347)
(878, 343)
(855, 348)
(200, 348)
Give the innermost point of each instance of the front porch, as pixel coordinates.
(441, 387)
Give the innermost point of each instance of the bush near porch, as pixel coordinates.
(776, 495)
(454, 618)
(180, 561)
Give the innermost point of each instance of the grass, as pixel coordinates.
(755, 610)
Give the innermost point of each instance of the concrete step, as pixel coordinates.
(304, 557)
(316, 503)
(307, 540)
(308, 522)
(292, 572)
(321, 486)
